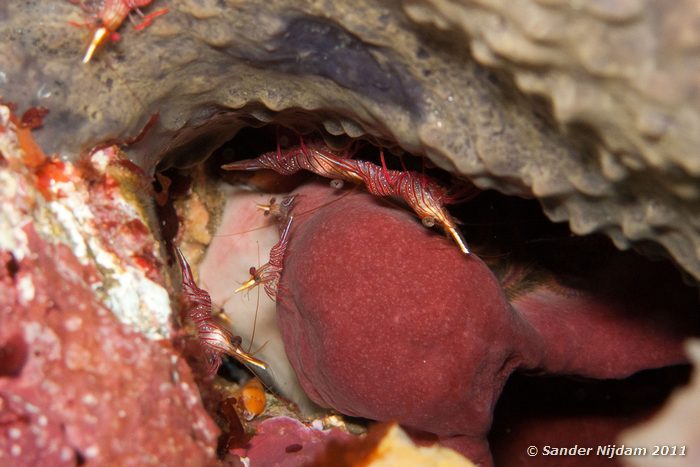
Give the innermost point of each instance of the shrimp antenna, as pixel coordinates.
(261, 347)
(257, 306)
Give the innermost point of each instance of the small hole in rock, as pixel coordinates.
(13, 356)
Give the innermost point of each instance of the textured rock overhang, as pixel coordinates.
(607, 141)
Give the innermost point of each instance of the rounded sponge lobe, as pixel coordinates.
(385, 319)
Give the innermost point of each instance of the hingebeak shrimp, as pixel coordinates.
(110, 17)
(422, 194)
(269, 273)
(214, 339)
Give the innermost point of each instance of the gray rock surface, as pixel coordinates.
(590, 106)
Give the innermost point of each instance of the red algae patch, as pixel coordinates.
(88, 374)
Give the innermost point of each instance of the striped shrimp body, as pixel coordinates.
(214, 339)
(268, 275)
(425, 196)
(325, 164)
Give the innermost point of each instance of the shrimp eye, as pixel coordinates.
(428, 221)
(252, 271)
(271, 207)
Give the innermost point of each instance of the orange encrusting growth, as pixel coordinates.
(33, 118)
(47, 170)
(34, 156)
(49, 173)
(251, 399)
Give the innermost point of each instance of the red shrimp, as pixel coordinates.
(422, 194)
(269, 273)
(214, 339)
(110, 17)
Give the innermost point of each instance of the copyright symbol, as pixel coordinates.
(532, 451)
